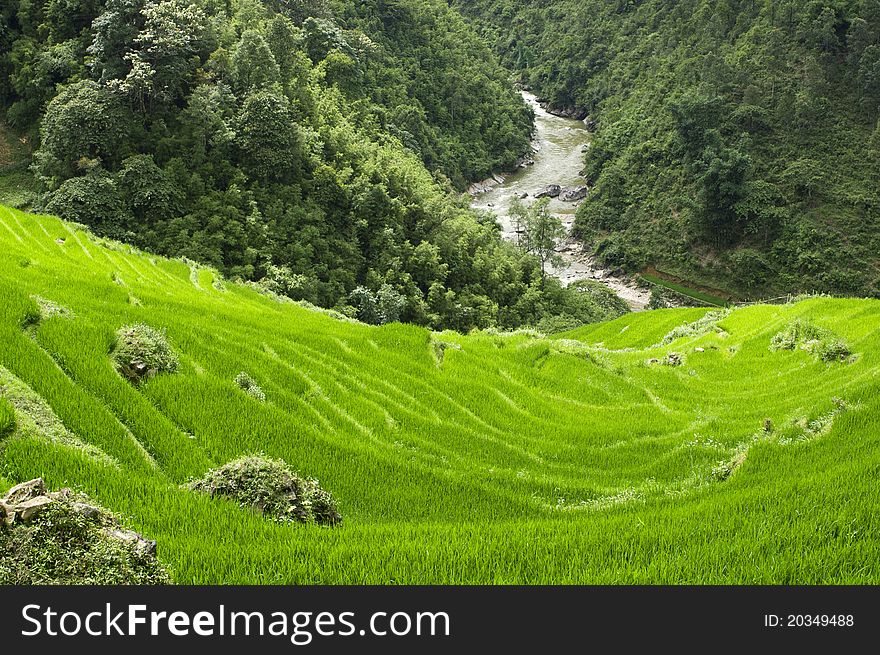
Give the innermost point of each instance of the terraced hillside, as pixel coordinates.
(664, 447)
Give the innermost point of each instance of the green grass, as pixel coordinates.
(702, 296)
(511, 459)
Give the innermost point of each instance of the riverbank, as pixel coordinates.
(558, 157)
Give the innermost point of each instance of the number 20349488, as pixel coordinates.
(809, 620)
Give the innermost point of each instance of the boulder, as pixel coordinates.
(550, 191)
(87, 511)
(565, 112)
(30, 509)
(61, 494)
(25, 491)
(523, 196)
(140, 545)
(574, 194)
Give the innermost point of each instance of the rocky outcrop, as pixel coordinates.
(479, 188)
(574, 194)
(550, 191)
(486, 185)
(564, 112)
(26, 501)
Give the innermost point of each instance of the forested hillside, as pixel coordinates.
(316, 147)
(737, 142)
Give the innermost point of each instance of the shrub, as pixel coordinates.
(699, 327)
(247, 384)
(7, 417)
(141, 352)
(384, 306)
(817, 341)
(72, 541)
(272, 488)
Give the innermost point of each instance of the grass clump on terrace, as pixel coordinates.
(272, 488)
(247, 384)
(74, 542)
(702, 326)
(818, 341)
(141, 352)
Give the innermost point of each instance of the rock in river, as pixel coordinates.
(573, 194)
(551, 191)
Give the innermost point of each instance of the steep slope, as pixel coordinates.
(482, 458)
(737, 141)
(308, 145)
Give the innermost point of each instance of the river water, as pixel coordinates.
(559, 146)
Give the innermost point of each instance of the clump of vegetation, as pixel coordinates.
(49, 309)
(7, 417)
(272, 488)
(41, 310)
(73, 541)
(818, 341)
(247, 384)
(698, 328)
(141, 352)
(439, 348)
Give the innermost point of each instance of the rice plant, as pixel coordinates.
(479, 459)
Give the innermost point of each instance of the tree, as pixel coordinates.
(722, 187)
(85, 121)
(92, 200)
(268, 137)
(254, 64)
(162, 62)
(114, 32)
(538, 232)
(146, 189)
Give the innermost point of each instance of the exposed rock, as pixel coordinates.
(25, 491)
(699, 350)
(574, 194)
(141, 546)
(565, 112)
(483, 187)
(61, 494)
(523, 196)
(673, 359)
(86, 510)
(550, 191)
(524, 162)
(29, 509)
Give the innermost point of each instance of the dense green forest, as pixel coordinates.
(315, 147)
(737, 141)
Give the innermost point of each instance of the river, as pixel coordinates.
(559, 146)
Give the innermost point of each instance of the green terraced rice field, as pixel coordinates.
(486, 458)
